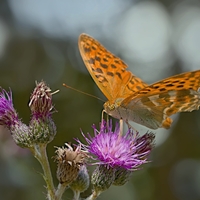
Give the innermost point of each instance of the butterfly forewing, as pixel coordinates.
(108, 71)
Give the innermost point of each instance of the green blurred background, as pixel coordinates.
(38, 41)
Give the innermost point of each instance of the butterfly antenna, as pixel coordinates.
(85, 93)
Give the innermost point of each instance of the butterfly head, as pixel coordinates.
(112, 108)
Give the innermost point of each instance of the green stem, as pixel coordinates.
(94, 195)
(39, 152)
(60, 190)
(76, 195)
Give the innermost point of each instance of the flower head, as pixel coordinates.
(8, 115)
(10, 119)
(127, 151)
(116, 155)
(69, 162)
(42, 127)
(41, 101)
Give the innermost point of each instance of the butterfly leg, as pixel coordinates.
(103, 111)
(121, 127)
(107, 118)
(131, 127)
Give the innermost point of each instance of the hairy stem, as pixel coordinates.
(60, 190)
(40, 154)
(94, 195)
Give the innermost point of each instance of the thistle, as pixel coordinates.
(69, 162)
(42, 127)
(71, 170)
(115, 155)
(9, 118)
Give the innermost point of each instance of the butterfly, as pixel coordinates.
(131, 99)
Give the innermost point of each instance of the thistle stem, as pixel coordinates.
(76, 195)
(94, 195)
(40, 154)
(60, 190)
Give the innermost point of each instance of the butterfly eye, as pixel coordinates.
(111, 107)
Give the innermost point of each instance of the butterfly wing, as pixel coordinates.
(108, 71)
(155, 103)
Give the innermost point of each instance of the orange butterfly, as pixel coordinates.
(129, 98)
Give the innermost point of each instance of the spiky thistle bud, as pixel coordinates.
(42, 127)
(69, 162)
(102, 178)
(81, 183)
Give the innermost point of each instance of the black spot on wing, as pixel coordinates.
(87, 49)
(162, 89)
(117, 61)
(105, 60)
(113, 66)
(156, 86)
(180, 86)
(119, 75)
(97, 58)
(91, 61)
(94, 48)
(101, 78)
(99, 70)
(175, 81)
(110, 74)
(138, 87)
(108, 56)
(170, 85)
(182, 82)
(132, 81)
(104, 66)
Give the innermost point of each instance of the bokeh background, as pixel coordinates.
(157, 39)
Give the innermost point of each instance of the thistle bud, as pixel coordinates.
(102, 178)
(42, 127)
(122, 176)
(69, 162)
(81, 183)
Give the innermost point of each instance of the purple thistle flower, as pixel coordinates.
(116, 155)
(127, 151)
(9, 118)
(8, 115)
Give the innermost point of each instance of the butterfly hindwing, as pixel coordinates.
(179, 93)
